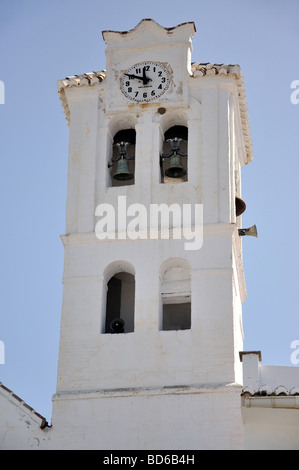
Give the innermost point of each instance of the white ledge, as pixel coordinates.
(153, 391)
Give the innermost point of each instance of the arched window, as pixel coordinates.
(174, 158)
(176, 295)
(120, 303)
(122, 163)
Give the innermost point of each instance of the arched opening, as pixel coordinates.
(174, 158)
(176, 296)
(120, 303)
(122, 163)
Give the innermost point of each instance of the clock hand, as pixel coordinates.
(133, 76)
(145, 78)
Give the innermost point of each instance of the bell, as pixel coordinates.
(117, 326)
(240, 206)
(122, 172)
(176, 169)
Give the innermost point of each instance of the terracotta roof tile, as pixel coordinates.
(267, 391)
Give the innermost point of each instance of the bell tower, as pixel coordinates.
(151, 325)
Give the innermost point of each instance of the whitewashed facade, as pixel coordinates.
(153, 388)
(21, 427)
(174, 378)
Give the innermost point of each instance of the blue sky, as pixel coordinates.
(43, 41)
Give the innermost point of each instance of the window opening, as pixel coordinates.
(122, 163)
(173, 162)
(176, 299)
(120, 304)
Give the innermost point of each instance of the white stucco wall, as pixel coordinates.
(94, 366)
(274, 376)
(179, 418)
(270, 405)
(269, 426)
(20, 425)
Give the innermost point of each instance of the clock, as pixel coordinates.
(145, 81)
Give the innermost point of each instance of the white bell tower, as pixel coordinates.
(151, 330)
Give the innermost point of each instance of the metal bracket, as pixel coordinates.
(122, 153)
(175, 145)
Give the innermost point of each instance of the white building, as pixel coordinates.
(177, 377)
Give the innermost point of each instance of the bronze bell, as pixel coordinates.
(176, 169)
(122, 172)
(117, 326)
(240, 206)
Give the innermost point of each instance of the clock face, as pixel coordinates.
(145, 81)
